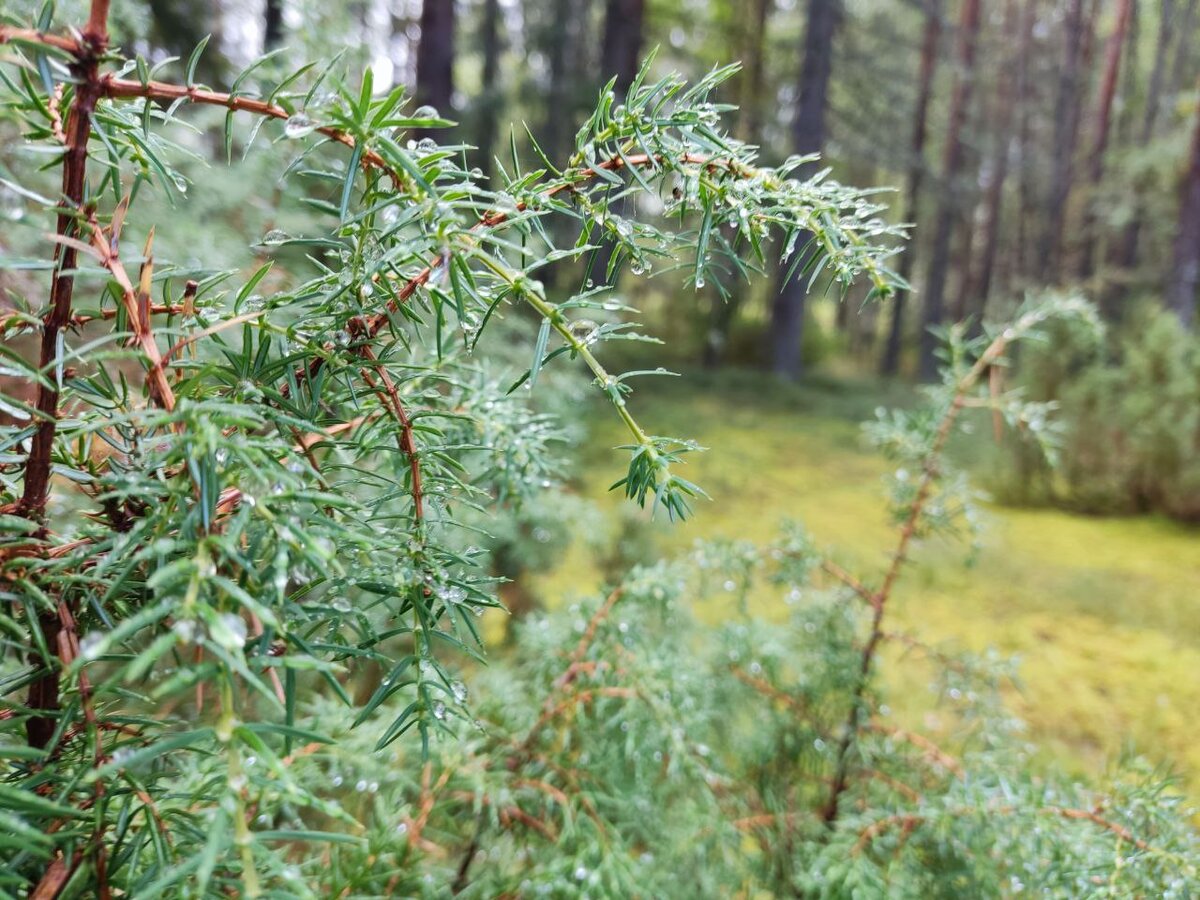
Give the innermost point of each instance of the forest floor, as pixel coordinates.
(1101, 614)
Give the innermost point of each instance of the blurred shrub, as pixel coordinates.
(1128, 420)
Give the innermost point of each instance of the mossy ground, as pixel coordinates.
(1103, 614)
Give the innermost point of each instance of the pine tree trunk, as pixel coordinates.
(1066, 129)
(1127, 254)
(952, 165)
(1018, 30)
(621, 48)
(1108, 90)
(916, 178)
(272, 25)
(435, 56)
(491, 96)
(749, 47)
(808, 134)
(1185, 271)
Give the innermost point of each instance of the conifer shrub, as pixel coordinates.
(241, 562)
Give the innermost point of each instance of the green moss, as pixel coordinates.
(1103, 613)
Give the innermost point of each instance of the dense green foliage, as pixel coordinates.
(1129, 417)
(241, 556)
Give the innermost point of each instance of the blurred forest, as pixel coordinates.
(1034, 143)
(726, 718)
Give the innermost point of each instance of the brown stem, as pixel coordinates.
(9, 34)
(930, 472)
(111, 86)
(391, 399)
(909, 821)
(43, 693)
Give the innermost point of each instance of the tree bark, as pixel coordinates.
(749, 47)
(808, 135)
(916, 178)
(435, 56)
(948, 204)
(1185, 270)
(1018, 30)
(491, 96)
(1108, 91)
(1127, 254)
(621, 47)
(1066, 129)
(273, 25)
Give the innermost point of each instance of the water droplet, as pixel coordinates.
(700, 281)
(336, 781)
(298, 125)
(439, 710)
(584, 330)
(274, 237)
(221, 456)
(89, 644)
(184, 630)
(426, 145)
(426, 112)
(360, 785)
(460, 691)
(341, 604)
(230, 632)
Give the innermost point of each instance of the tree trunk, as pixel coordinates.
(916, 177)
(491, 96)
(1185, 271)
(1018, 29)
(621, 48)
(952, 163)
(1027, 188)
(435, 56)
(1108, 90)
(620, 57)
(1066, 129)
(1127, 254)
(808, 134)
(273, 25)
(749, 46)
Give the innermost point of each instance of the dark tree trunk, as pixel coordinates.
(1184, 60)
(273, 25)
(748, 46)
(916, 178)
(435, 56)
(620, 57)
(808, 134)
(1027, 189)
(948, 204)
(490, 97)
(621, 48)
(1108, 91)
(1018, 31)
(1127, 253)
(1185, 269)
(1066, 130)
(178, 26)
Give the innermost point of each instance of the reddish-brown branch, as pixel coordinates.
(9, 35)
(390, 396)
(930, 472)
(928, 748)
(106, 250)
(159, 90)
(767, 689)
(910, 821)
(850, 581)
